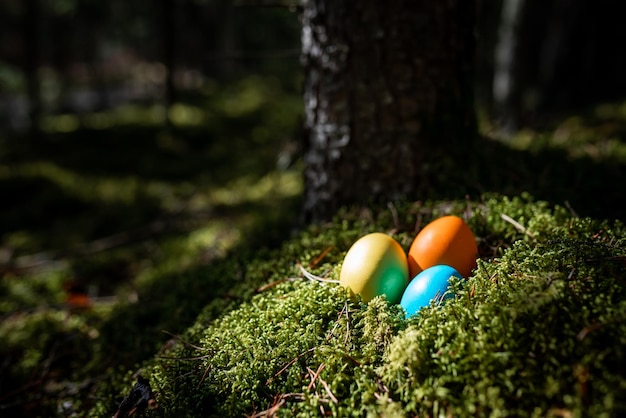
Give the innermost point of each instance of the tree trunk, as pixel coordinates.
(506, 92)
(169, 55)
(388, 99)
(31, 25)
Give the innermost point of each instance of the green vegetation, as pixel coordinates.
(132, 214)
(538, 330)
(184, 242)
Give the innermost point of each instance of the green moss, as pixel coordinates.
(40, 344)
(537, 331)
(522, 336)
(271, 348)
(165, 230)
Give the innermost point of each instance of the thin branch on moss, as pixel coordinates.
(560, 412)
(583, 332)
(185, 358)
(204, 375)
(352, 359)
(182, 340)
(384, 389)
(188, 344)
(314, 375)
(320, 257)
(571, 209)
(292, 361)
(517, 225)
(328, 391)
(313, 277)
(418, 223)
(345, 307)
(272, 284)
(394, 215)
(279, 400)
(331, 333)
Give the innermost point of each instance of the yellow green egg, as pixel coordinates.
(375, 265)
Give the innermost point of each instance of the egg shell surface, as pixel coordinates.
(446, 240)
(375, 265)
(430, 284)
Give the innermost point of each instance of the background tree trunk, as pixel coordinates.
(505, 77)
(31, 33)
(388, 99)
(169, 55)
(552, 57)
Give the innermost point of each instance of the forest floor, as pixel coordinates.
(108, 218)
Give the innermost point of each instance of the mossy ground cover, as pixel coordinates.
(183, 241)
(538, 330)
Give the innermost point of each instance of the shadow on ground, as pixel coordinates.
(587, 186)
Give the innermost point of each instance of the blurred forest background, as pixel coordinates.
(139, 140)
(80, 56)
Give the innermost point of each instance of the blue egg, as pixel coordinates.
(430, 284)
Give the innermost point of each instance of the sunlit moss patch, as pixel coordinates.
(538, 330)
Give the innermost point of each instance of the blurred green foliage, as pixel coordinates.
(132, 213)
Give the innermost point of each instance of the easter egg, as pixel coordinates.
(430, 284)
(375, 265)
(446, 240)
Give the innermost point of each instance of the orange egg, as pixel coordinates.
(447, 240)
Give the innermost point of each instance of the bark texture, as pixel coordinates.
(388, 98)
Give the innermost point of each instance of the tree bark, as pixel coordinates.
(169, 55)
(388, 99)
(31, 25)
(506, 92)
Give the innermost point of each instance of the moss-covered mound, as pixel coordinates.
(538, 330)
